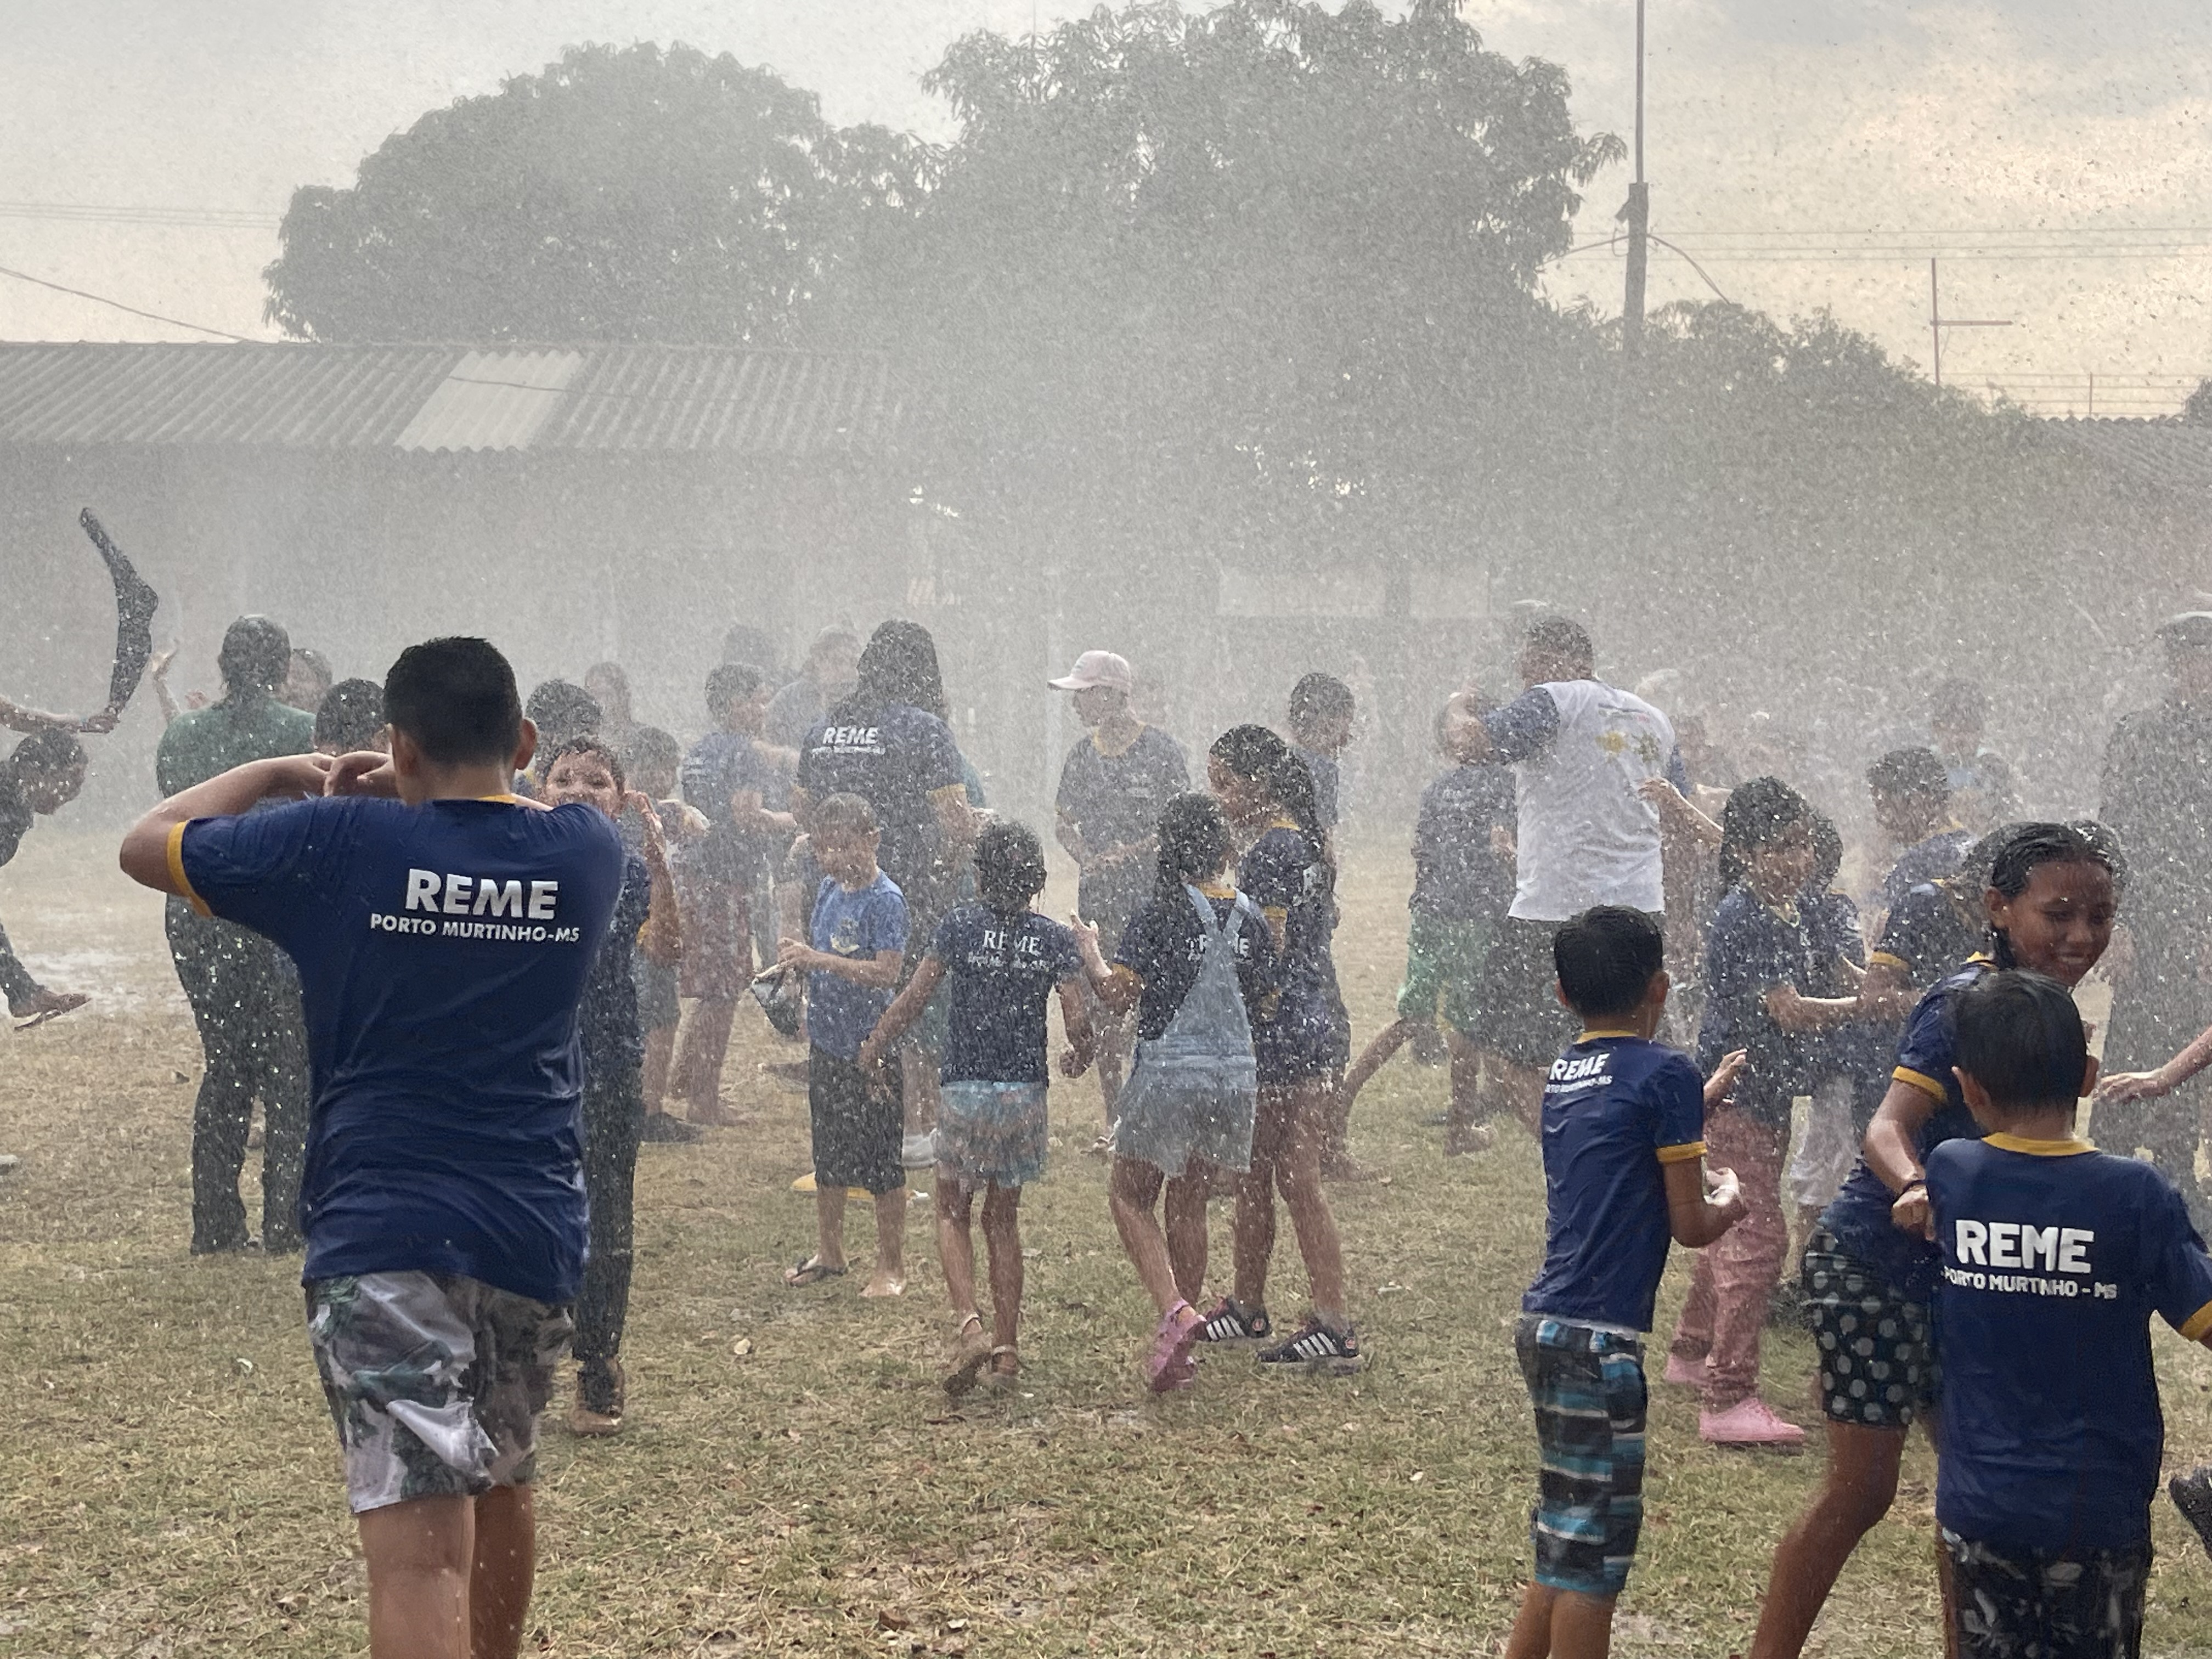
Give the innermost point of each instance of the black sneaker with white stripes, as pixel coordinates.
(2192, 1496)
(1313, 1348)
(1230, 1321)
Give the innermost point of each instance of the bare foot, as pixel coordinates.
(885, 1283)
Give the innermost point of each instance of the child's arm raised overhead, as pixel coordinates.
(905, 1009)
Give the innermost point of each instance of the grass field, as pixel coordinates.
(169, 1483)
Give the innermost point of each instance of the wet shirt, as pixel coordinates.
(998, 975)
(1931, 928)
(1752, 948)
(1163, 947)
(443, 951)
(895, 758)
(613, 1040)
(2158, 799)
(864, 924)
(1327, 773)
(1115, 800)
(2055, 1257)
(1283, 875)
(719, 765)
(1579, 749)
(1859, 1217)
(1617, 1111)
(208, 742)
(1925, 861)
(1458, 875)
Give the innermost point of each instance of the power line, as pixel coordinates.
(101, 298)
(183, 218)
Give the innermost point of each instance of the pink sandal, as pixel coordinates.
(1169, 1365)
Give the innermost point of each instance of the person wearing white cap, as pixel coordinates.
(1112, 788)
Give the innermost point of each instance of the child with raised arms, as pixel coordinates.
(1197, 966)
(1623, 1175)
(1869, 1272)
(1002, 962)
(2055, 1256)
(856, 945)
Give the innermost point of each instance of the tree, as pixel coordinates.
(2198, 410)
(636, 193)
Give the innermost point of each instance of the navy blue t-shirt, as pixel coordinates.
(1931, 928)
(1752, 949)
(1859, 1052)
(1859, 1217)
(443, 951)
(1458, 875)
(613, 1040)
(1163, 947)
(1617, 1111)
(1925, 861)
(840, 1014)
(719, 765)
(1327, 773)
(2055, 1257)
(999, 974)
(895, 758)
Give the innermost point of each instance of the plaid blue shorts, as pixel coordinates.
(1587, 1385)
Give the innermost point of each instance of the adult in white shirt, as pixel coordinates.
(1580, 751)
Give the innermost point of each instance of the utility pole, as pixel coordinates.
(1638, 213)
(1937, 322)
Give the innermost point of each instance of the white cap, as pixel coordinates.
(1095, 668)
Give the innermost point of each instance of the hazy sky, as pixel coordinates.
(2057, 155)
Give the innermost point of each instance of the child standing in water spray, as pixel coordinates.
(1267, 793)
(1198, 965)
(1004, 962)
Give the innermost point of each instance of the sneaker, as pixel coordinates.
(1749, 1422)
(1315, 1348)
(1168, 1364)
(2192, 1496)
(1230, 1321)
(664, 1128)
(1684, 1372)
(919, 1151)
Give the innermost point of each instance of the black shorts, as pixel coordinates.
(1523, 1019)
(859, 1130)
(1877, 1361)
(2039, 1604)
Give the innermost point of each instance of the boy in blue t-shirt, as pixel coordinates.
(859, 932)
(2055, 1256)
(1624, 1173)
(443, 940)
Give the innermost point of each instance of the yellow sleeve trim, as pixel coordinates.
(2199, 1324)
(1275, 912)
(1121, 970)
(946, 791)
(1887, 959)
(1682, 1154)
(182, 881)
(2071, 1147)
(1921, 1081)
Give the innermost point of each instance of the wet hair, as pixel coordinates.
(255, 656)
(1561, 637)
(48, 752)
(1009, 867)
(1254, 753)
(2025, 848)
(1759, 813)
(1195, 844)
(1827, 850)
(1974, 864)
(2106, 841)
(650, 748)
(351, 715)
(1915, 772)
(587, 746)
(732, 681)
(1606, 959)
(898, 665)
(2020, 1035)
(1320, 697)
(846, 813)
(455, 700)
(1957, 703)
(563, 710)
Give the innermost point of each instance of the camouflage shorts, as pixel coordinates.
(2020, 1604)
(434, 1381)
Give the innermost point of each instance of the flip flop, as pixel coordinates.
(812, 1270)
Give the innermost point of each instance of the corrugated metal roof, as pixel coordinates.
(725, 400)
(2172, 454)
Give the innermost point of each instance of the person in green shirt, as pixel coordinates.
(244, 991)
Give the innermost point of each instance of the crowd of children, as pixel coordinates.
(1947, 1221)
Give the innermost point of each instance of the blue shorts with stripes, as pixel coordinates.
(1587, 1384)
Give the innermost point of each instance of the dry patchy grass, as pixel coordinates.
(167, 1484)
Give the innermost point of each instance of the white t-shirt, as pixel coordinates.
(1585, 837)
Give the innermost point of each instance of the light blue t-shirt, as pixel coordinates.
(839, 1013)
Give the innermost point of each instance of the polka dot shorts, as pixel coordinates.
(1877, 1362)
